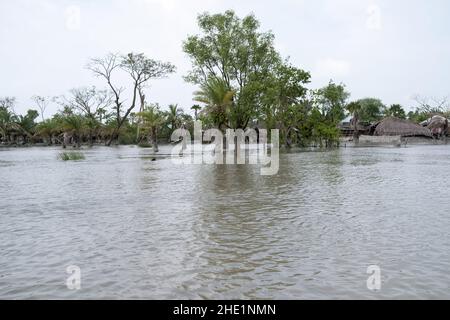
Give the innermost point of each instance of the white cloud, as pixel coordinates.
(374, 20)
(332, 68)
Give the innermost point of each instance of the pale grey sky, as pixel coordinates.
(391, 49)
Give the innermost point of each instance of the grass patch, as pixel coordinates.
(71, 156)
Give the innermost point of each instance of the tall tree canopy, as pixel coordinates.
(331, 101)
(372, 109)
(233, 52)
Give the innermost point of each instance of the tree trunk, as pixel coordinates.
(78, 138)
(66, 140)
(111, 138)
(91, 138)
(142, 97)
(155, 140)
(355, 131)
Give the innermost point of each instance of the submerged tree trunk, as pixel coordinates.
(285, 135)
(66, 140)
(111, 139)
(288, 136)
(91, 138)
(142, 97)
(155, 140)
(77, 141)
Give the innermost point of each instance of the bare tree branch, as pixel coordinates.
(140, 69)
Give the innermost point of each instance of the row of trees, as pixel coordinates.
(242, 82)
(91, 115)
(84, 118)
(245, 82)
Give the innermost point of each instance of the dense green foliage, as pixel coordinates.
(244, 83)
(372, 109)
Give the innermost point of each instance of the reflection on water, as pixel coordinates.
(140, 228)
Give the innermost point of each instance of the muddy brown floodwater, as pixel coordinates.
(147, 229)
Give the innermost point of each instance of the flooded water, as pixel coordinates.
(147, 229)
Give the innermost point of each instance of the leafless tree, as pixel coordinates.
(433, 105)
(8, 103)
(90, 101)
(140, 68)
(42, 104)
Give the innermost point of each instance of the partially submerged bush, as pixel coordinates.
(145, 145)
(71, 156)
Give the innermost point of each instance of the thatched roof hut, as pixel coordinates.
(398, 127)
(438, 125)
(348, 128)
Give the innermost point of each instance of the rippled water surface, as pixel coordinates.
(139, 228)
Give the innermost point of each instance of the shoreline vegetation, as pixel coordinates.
(243, 83)
(344, 142)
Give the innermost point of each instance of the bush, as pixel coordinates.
(71, 156)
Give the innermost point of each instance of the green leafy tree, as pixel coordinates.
(330, 102)
(7, 118)
(233, 53)
(397, 111)
(282, 100)
(322, 132)
(372, 109)
(418, 116)
(153, 120)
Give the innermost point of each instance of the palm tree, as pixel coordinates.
(152, 119)
(174, 116)
(92, 126)
(7, 120)
(73, 126)
(218, 98)
(355, 109)
(48, 129)
(26, 125)
(196, 109)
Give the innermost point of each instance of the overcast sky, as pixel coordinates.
(391, 49)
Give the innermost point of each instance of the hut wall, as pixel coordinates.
(380, 140)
